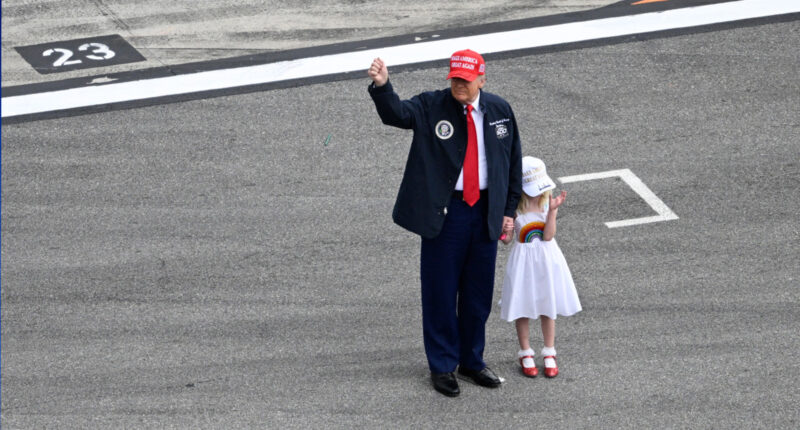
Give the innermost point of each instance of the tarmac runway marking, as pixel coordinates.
(68, 55)
(636, 184)
(87, 97)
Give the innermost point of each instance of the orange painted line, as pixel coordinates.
(646, 1)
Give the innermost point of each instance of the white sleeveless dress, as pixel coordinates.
(537, 280)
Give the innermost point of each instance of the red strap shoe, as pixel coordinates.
(530, 372)
(550, 366)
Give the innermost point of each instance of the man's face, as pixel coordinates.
(464, 91)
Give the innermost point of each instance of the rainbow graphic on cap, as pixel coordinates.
(531, 231)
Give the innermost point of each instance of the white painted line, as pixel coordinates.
(397, 55)
(636, 184)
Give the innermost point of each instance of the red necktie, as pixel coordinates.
(472, 189)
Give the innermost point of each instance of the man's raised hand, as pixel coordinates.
(378, 72)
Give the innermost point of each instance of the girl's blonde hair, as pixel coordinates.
(527, 202)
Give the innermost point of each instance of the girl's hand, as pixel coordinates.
(506, 237)
(556, 202)
(550, 225)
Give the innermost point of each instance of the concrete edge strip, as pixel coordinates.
(423, 52)
(620, 8)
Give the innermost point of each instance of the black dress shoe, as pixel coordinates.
(446, 384)
(484, 378)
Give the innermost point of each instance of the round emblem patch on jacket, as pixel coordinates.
(501, 130)
(444, 129)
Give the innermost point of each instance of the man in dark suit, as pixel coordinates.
(461, 183)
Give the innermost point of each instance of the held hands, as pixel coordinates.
(378, 72)
(508, 230)
(556, 202)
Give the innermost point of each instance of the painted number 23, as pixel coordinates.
(97, 51)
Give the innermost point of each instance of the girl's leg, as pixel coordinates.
(525, 352)
(549, 350)
(548, 331)
(523, 333)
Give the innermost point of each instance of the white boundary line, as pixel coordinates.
(636, 184)
(397, 55)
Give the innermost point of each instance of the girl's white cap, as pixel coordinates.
(534, 177)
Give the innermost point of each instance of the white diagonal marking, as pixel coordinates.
(636, 184)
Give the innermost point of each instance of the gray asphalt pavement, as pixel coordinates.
(214, 264)
(183, 31)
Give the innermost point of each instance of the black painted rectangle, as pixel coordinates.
(67, 55)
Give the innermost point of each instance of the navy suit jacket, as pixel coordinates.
(437, 155)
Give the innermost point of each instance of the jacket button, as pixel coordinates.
(445, 211)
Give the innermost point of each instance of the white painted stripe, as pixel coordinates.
(636, 184)
(396, 55)
(593, 176)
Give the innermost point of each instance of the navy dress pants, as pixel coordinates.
(457, 277)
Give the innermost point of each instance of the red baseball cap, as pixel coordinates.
(467, 65)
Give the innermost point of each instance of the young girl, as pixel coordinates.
(538, 282)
